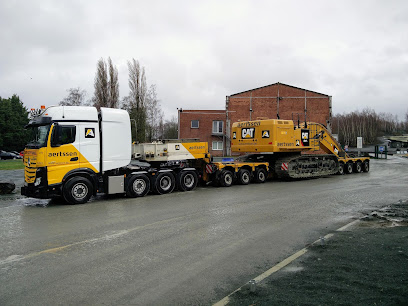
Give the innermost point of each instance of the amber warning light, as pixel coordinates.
(42, 106)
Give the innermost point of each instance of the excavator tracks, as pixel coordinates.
(306, 166)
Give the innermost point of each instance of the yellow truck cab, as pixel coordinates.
(66, 155)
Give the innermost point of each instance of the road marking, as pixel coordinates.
(284, 263)
(342, 229)
(15, 258)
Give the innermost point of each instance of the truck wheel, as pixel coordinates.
(358, 167)
(139, 186)
(366, 166)
(226, 178)
(244, 177)
(78, 190)
(348, 168)
(341, 169)
(164, 183)
(260, 175)
(187, 180)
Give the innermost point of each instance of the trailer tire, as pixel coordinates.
(77, 190)
(226, 178)
(164, 183)
(341, 169)
(187, 180)
(358, 167)
(244, 177)
(348, 169)
(366, 166)
(138, 186)
(260, 175)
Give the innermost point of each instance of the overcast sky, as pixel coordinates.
(198, 52)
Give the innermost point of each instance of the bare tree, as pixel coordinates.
(113, 87)
(135, 102)
(101, 95)
(170, 128)
(76, 97)
(154, 114)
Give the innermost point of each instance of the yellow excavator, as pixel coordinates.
(293, 150)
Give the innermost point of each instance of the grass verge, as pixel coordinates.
(11, 164)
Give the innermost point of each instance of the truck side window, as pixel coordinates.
(63, 134)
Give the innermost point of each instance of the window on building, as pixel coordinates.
(217, 145)
(218, 127)
(195, 124)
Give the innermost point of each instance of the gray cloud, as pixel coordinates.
(197, 52)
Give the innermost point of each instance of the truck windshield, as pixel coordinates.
(39, 136)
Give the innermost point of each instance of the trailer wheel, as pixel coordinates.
(244, 177)
(138, 186)
(341, 169)
(78, 190)
(348, 168)
(187, 180)
(366, 166)
(358, 167)
(164, 183)
(226, 178)
(260, 175)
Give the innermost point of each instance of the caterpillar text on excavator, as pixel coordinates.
(78, 152)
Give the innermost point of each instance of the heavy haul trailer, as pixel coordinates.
(290, 149)
(78, 152)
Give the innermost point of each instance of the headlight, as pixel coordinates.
(37, 181)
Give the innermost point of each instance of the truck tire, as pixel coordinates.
(260, 175)
(164, 183)
(77, 190)
(187, 180)
(366, 166)
(348, 168)
(358, 167)
(226, 178)
(244, 177)
(138, 186)
(341, 169)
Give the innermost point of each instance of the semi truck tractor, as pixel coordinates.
(77, 152)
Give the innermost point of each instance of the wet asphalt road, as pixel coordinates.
(180, 248)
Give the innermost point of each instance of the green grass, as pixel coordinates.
(11, 164)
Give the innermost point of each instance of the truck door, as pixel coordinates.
(90, 149)
(62, 152)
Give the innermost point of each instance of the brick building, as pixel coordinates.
(272, 101)
(204, 125)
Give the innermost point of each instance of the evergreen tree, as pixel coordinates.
(13, 118)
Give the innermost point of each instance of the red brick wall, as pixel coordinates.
(204, 132)
(264, 104)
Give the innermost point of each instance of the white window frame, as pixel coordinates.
(195, 127)
(217, 123)
(217, 149)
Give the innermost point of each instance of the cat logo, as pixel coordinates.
(297, 142)
(234, 135)
(177, 147)
(89, 132)
(265, 134)
(248, 133)
(305, 137)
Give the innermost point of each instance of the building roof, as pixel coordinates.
(278, 83)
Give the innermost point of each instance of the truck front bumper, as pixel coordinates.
(41, 192)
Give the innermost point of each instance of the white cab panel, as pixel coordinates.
(74, 113)
(116, 138)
